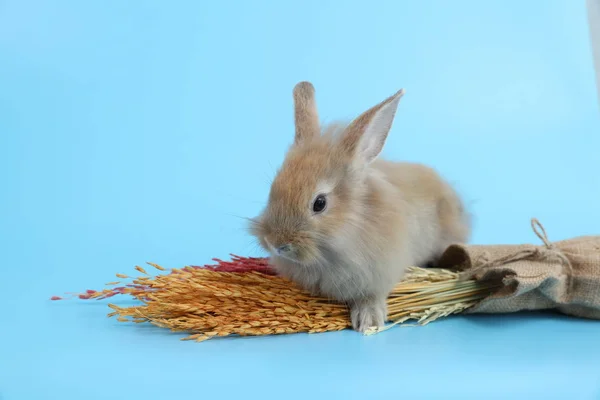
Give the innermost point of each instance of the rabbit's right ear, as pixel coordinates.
(365, 136)
(306, 117)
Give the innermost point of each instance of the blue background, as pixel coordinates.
(142, 131)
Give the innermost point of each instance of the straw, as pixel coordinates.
(244, 297)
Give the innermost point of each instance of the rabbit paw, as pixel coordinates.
(367, 314)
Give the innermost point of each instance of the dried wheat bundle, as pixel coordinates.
(244, 297)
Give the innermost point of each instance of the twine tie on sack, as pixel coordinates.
(548, 253)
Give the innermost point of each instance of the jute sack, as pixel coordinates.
(563, 275)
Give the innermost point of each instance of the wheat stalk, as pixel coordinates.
(244, 297)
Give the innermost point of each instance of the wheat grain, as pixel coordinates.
(237, 299)
(244, 297)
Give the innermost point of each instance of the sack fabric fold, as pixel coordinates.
(564, 275)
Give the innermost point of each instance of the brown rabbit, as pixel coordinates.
(344, 224)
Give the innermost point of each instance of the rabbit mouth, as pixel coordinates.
(284, 251)
(290, 252)
(287, 257)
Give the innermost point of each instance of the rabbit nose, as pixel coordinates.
(286, 248)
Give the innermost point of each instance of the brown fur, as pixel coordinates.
(381, 216)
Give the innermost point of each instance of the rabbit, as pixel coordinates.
(343, 223)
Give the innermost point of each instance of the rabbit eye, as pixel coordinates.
(319, 204)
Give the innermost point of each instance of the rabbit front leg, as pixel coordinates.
(367, 313)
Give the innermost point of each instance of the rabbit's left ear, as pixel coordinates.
(306, 117)
(365, 136)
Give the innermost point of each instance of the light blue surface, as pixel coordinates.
(138, 131)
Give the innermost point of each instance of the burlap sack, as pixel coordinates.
(564, 275)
